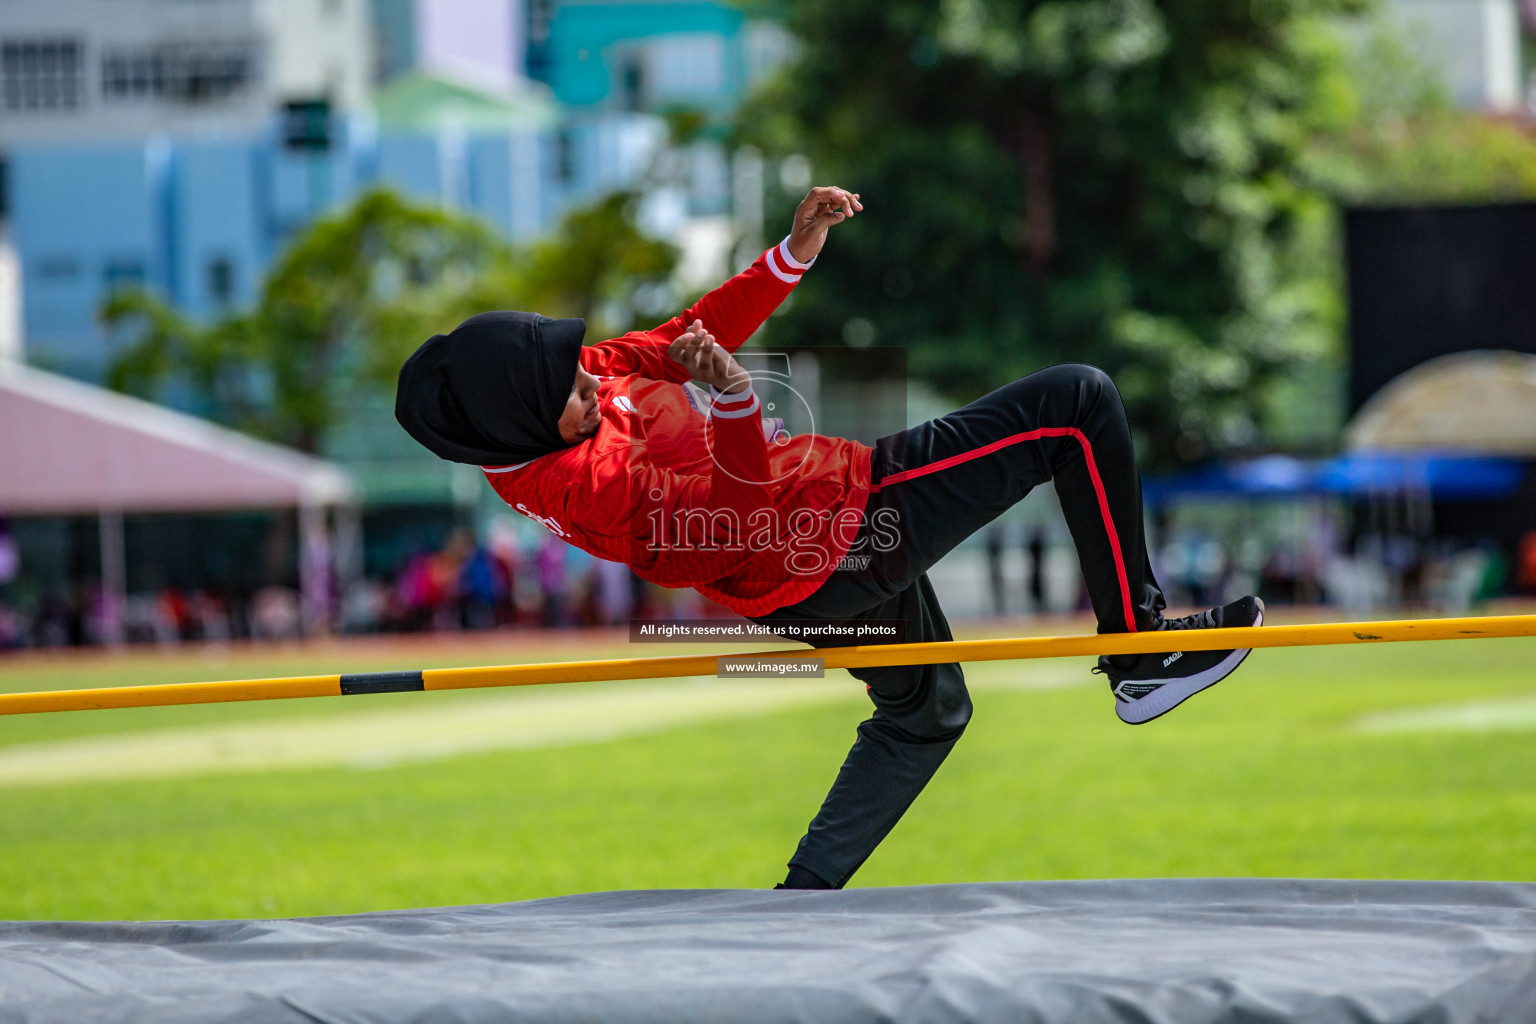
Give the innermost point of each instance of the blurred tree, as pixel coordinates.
(601, 267)
(1113, 181)
(356, 292)
(1405, 142)
(214, 360)
(351, 291)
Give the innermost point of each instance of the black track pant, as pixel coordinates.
(935, 485)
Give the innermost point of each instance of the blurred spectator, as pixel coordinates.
(10, 556)
(1356, 583)
(996, 540)
(422, 591)
(615, 593)
(144, 620)
(275, 614)
(483, 587)
(1037, 571)
(173, 607)
(552, 580)
(10, 627)
(1525, 574)
(528, 598)
(1194, 569)
(364, 607)
(1451, 582)
(1280, 579)
(210, 618)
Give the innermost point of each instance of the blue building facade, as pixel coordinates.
(200, 221)
(85, 220)
(645, 55)
(196, 220)
(651, 54)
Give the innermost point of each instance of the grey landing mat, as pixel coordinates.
(1183, 951)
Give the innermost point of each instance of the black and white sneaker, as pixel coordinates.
(1149, 685)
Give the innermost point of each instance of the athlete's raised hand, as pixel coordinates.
(822, 207)
(706, 361)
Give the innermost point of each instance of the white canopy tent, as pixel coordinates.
(1482, 402)
(68, 448)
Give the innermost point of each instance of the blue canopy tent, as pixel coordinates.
(1444, 476)
(1441, 476)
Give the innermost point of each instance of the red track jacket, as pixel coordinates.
(685, 488)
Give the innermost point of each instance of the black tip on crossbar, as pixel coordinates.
(381, 682)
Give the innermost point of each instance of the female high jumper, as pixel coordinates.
(610, 447)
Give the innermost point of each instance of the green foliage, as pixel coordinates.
(597, 256)
(351, 293)
(1404, 143)
(1110, 181)
(354, 293)
(357, 291)
(1440, 159)
(213, 358)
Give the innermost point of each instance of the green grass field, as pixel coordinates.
(1387, 761)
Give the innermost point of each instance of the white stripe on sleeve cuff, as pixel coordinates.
(721, 398)
(735, 407)
(789, 259)
(780, 274)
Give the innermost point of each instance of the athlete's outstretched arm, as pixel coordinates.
(822, 207)
(734, 311)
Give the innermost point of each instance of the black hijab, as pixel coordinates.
(490, 392)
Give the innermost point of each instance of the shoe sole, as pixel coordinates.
(1170, 695)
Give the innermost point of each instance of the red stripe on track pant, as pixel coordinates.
(936, 485)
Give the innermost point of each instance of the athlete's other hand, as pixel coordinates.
(706, 361)
(822, 207)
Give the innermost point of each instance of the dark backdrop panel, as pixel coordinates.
(1430, 281)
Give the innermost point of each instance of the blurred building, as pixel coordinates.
(169, 144)
(1476, 44)
(1425, 282)
(1442, 337)
(195, 218)
(181, 144)
(478, 40)
(114, 499)
(11, 337)
(645, 55)
(86, 71)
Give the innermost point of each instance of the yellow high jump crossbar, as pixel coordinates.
(1018, 648)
